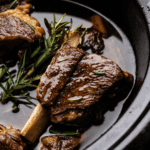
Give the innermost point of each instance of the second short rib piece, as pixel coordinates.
(58, 73)
(97, 82)
(15, 33)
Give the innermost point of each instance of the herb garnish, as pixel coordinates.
(3, 71)
(30, 26)
(62, 60)
(56, 32)
(11, 86)
(14, 108)
(11, 90)
(76, 99)
(64, 133)
(12, 4)
(81, 37)
(100, 73)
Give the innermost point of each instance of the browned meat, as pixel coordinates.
(58, 73)
(4, 4)
(93, 40)
(15, 33)
(59, 142)
(10, 139)
(97, 82)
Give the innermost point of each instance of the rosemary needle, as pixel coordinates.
(100, 73)
(12, 4)
(14, 107)
(62, 60)
(30, 26)
(64, 133)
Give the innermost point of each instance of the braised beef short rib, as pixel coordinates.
(79, 90)
(15, 32)
(96, 83)
(57, 74)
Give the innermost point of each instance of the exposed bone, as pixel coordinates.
(39, 119)
(35, 125)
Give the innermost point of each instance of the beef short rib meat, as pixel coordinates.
(97, 82)
(60, 142)
(10, 139)
(58, 73)
(5, 4)
(15, 33)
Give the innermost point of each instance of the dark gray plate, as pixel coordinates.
(127, 45)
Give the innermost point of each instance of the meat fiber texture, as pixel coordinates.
(58, 73)
(15, 33)
(10, 139)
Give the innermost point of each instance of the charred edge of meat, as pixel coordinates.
(10, 139)
(59, 142)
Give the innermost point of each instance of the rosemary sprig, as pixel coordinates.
(12, 4)
(22, 80)
(51, 44)
(11, 86)
(99, 73)
(56, 32)
(64, 133)
(62, 60)
(36, 51)
(3, 70)
(81, 37)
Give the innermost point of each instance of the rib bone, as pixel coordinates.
(35, 125)
(39, 119)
